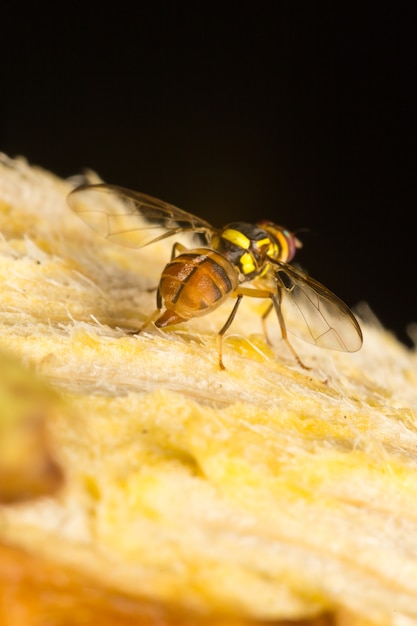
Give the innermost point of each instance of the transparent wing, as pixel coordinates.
(315, 314)
(130, 218)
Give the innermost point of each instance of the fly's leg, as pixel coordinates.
(177, 247)
(263, 318)
(153, 316)
(224, 329)
(276, 301)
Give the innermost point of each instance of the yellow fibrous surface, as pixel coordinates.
(264, 491)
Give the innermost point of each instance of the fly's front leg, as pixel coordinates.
(276, 301)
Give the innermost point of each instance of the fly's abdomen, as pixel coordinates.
(195, 283)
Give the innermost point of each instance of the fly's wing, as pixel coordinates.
(315, 314)
(130, 218)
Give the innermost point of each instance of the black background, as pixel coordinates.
(303, 113)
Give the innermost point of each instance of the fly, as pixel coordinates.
(237, 260)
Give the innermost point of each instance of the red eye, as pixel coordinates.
(286, 242)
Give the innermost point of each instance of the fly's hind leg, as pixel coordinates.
(177, 247)
(153, 316)
(224, 329)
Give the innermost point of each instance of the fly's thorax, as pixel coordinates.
(246, 246)
(284, 244)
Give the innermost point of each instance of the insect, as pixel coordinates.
(237, 260)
